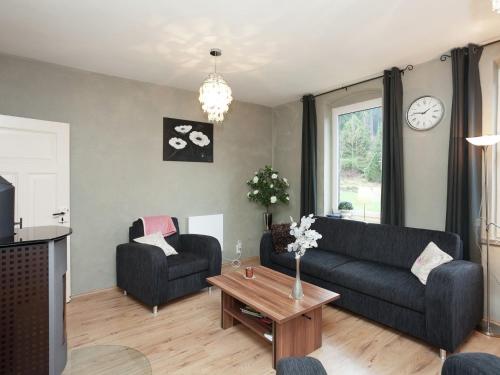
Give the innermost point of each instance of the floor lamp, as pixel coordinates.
(487, 327)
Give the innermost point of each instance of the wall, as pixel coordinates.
(425, 153)
(117, 172)
(489, 66)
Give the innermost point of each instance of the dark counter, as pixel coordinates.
(31, 235)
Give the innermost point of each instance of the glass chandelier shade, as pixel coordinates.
(215, 94)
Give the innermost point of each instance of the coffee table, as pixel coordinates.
(296, 325)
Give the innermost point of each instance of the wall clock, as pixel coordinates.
(425, 113)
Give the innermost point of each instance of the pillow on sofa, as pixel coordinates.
(281, 237)
(431, 257)
(156, 239)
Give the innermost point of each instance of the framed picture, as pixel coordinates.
(185, 140)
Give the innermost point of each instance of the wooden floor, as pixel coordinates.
(185, 338)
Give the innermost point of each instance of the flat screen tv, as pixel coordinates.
(6, 208)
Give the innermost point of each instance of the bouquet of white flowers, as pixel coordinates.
(305, 238)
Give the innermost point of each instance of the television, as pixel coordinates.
(6, 208)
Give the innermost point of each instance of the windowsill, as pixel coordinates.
(367, 219)
(493, 242)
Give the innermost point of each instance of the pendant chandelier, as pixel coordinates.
(215, 93)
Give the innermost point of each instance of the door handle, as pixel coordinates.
(57, 214)
(20, 223)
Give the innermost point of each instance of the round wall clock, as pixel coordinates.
(425, 113)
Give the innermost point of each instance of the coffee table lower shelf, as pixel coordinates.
(295, 337)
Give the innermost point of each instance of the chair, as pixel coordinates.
(299, 366)
(471, 364)
(144, 272)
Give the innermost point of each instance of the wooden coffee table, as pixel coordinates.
(296, 325)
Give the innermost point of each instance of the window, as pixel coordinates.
(357, 158)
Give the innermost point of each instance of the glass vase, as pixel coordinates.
(297, 292)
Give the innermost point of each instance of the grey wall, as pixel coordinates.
(117, 172)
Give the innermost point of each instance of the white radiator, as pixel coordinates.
(211, 225)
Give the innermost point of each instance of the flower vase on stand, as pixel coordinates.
(268, 220)
(297, 292)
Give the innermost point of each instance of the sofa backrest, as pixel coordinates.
(137, 230)
(401, 246)
(388, 244)
(340, 236)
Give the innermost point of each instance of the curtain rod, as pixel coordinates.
(407, 68)
(445, 56)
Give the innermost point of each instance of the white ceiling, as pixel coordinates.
(273, 50)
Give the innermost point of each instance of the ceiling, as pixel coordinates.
(274, 51)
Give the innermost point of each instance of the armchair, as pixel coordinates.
(144, 272)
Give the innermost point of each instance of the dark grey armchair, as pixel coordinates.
(471, 364)
(299, 366)
(144, 272)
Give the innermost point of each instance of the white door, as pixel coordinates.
(34, 157)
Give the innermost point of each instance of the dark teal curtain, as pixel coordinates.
(464, 160)
(308, 165)
(393, 199)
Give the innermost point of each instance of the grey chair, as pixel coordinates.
(144, 272)
(471, 364)
(300, 366)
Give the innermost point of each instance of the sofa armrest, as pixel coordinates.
(266, 247)
(204, 246)
(453, 303)
(142, 270)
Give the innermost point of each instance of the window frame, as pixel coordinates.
(335, 155)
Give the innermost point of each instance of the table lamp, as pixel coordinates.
(487, 327)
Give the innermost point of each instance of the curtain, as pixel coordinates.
(308, 165)
(464, 160)
(392, 200)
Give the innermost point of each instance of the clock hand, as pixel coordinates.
(428, 109)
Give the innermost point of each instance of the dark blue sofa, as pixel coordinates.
(369, 265)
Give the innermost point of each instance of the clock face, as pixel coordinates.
(425, 113)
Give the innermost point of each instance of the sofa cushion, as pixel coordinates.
(400, 247)
(281, 237)
(137, 230)
(184, 264)
(341, 236)
(317, 262)
(396, 285)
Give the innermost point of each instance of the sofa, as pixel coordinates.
(144, 272)
(471, 364)
(369, 266)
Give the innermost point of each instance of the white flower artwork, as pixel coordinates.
(199, 139)
(183, 129)
(177, 143)
(186, 140)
